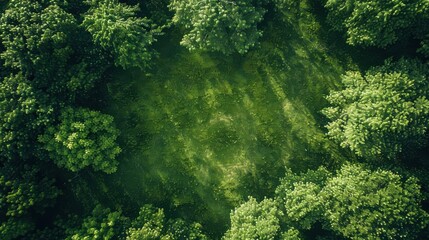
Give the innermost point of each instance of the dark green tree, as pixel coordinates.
(377, 22)
(23, 115)
(377, 114)
(424, 49)
(47, 45)
(151, 224)
(103, 224)
(218, 25)
(116, 27)
(364, 204)
(253, 220)
(32, 33)
(24, 193)
(83, 138)
(179, 229)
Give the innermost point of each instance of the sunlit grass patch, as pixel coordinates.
(207, 131)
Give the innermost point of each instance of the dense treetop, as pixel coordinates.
(24, 195)
(222, 26)
(24, 113)
(31, 31)
(83, 138)
(116, 27)
(364, 204)
(253, 220)
(379, 113)
(355, 203)
(46, 44)
(378, 22)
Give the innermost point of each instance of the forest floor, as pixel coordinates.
(203, 132)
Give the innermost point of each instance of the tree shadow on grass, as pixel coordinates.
(204, 132)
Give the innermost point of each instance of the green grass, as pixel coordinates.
(203, 131)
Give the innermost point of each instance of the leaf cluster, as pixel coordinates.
(355, 203)
(382, 112)
(254, 220)
(377, 22)
(150, 224)
(83, 138)
(23, 192)
(115, 27)
(220, 26)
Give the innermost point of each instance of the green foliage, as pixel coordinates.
(364, 204)
(299, 195)
(102, 224)
(291, 234)
(33, 34)
(22, 115)
(22, 193)
(357, 203)
(151, 224)
(148, 224)
(424, 49)
(116, 27)
(381, 112)
(179, 229)
(223, 26)
(83, 138)
(376, 22)
(253, 220)
(45, 43)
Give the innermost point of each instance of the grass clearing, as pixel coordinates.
(207, 131)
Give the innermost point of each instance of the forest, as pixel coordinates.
(214, 119)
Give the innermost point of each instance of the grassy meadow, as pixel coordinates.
(208, 130)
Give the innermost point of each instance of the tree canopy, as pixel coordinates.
(151, 223)
(48, 46)
(377, 22)
(380, 113)
(83, 138)
(253, 220)
(116, 27)
(220, 26)
(24, 192)
(23, 113)
(101, 224)
(356, 203)
(32, 32)
(299, 197)
(364, 204)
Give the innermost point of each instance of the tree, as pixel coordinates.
(298, 196)
(23, 115)
(181, 230)
(377, 22)
(102, 224)
(32, 33)
(151, 224)
(357, 203)
(83, 138)
(253, 220)
(382, 112)
(364, 204)
(148, 225)
(47, 45)
(23, 192)
(116, 27)
(218, 25)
